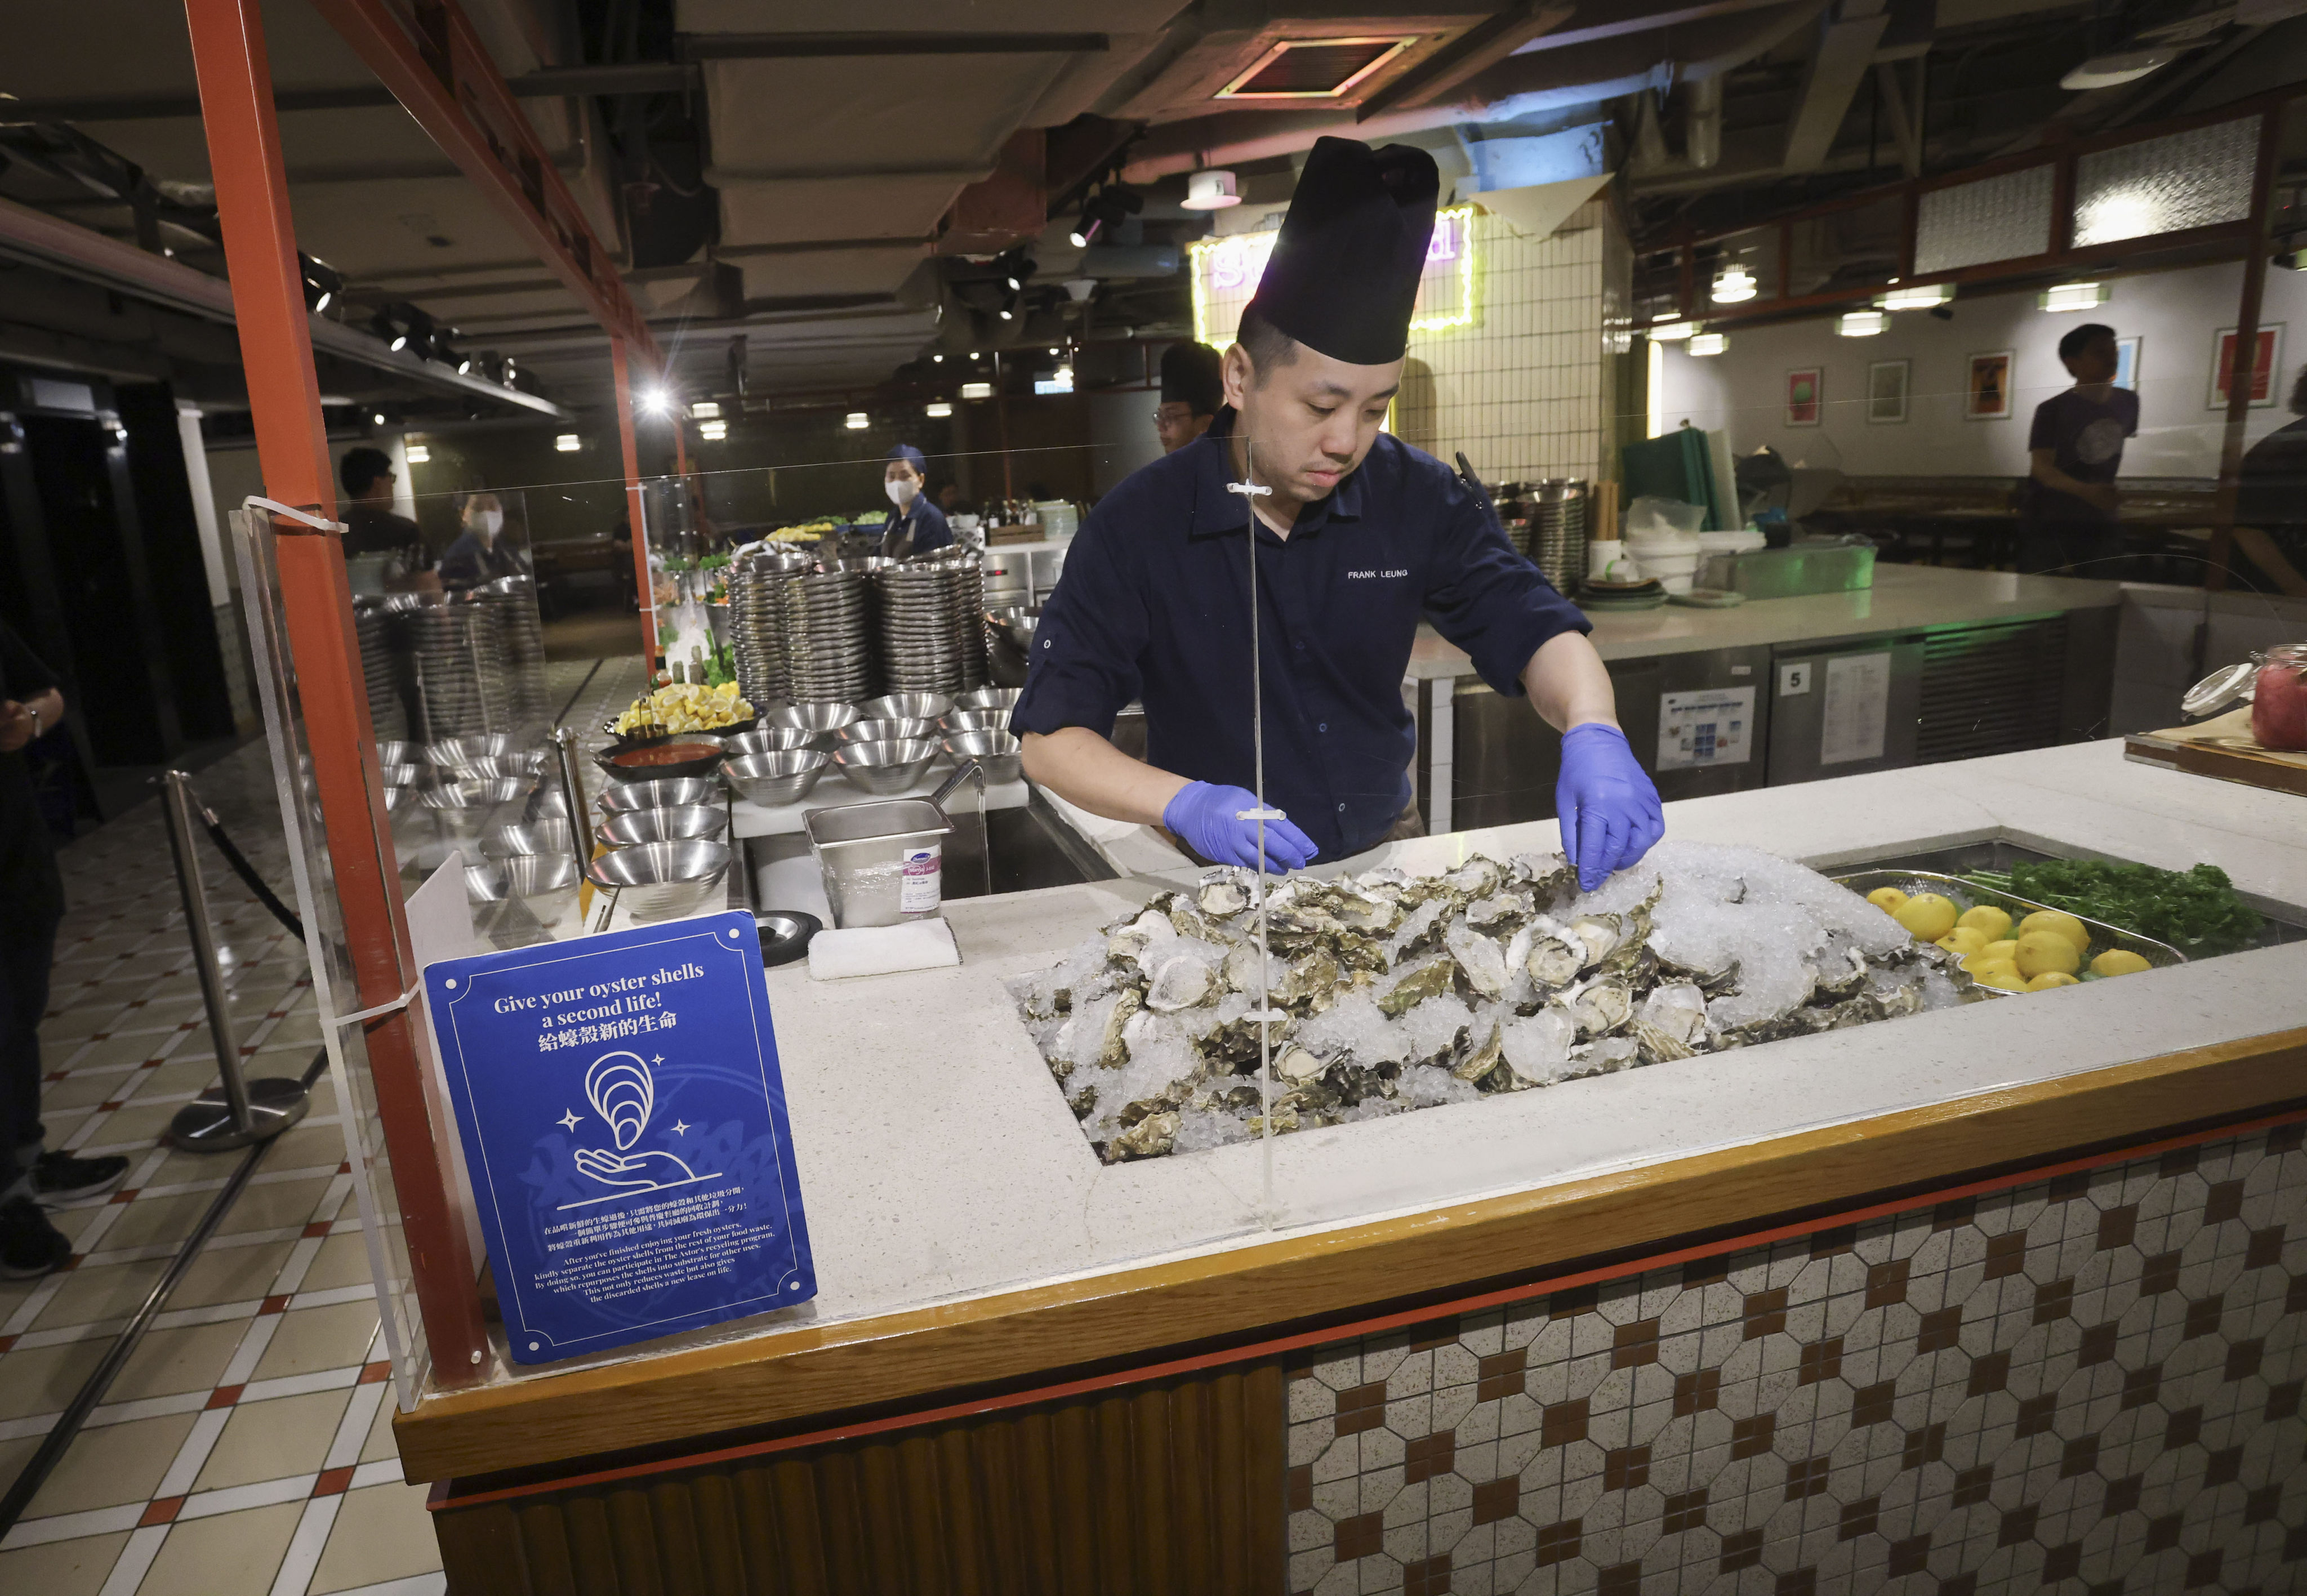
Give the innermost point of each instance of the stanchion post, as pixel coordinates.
(235, 1112)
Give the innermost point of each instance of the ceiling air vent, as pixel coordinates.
(1314, 68)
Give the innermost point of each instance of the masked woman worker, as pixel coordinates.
(480, 554)
(1359, 534)
(915, 526)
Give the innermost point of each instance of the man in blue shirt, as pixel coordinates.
(1355, 535)
(915, 526)
(2074, 450)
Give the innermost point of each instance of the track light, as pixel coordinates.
(1105, 210)
(322, 283)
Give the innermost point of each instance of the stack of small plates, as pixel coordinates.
(1557, 542)
(757, 622)
(828, 636)
(968, 604)
(380, 668)
(921, 640)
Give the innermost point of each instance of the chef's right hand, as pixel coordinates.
(1207, 818)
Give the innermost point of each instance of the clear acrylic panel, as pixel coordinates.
(2002, 218)
(2188, 179)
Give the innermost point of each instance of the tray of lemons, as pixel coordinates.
(2008, 944)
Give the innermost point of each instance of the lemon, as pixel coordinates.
(2006, 950)
(1962, 939)
(1991, 923)
(2046, 950)
(1887, 898)
(1926, 914)
(1997, 974)
(2065, 924)
(2049, 979)
(2118, 961)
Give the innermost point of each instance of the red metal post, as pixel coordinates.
(634, 500)
(244, 137)
(2246, 371)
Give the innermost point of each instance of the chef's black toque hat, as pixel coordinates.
(1190, 376)
(1343, 275)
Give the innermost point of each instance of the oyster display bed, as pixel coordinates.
(1398, 992)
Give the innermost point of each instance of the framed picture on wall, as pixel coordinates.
(2266, 359)
(2126, 363)
(1803, 388)
(1987, 396)
(1886, 390)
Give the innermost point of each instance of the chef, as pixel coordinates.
(915, 526)
(1193, 387)
(1356, 535)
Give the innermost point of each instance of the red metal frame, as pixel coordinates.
(443, 1494)
(244, 137)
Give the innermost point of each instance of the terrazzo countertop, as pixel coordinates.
(939, 1163)
(1903, 599)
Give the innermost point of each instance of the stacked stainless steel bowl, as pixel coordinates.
(828, 636)
(921, 634)
(757, 632)
(1557, 531)
(376, 621)
(968, 604)
(511, 603)
(459, 666)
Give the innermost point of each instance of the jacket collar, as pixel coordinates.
(1217, 510)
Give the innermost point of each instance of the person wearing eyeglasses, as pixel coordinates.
(1192, 389)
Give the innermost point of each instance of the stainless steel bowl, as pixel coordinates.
(464, 750)
(537, 839)
(816, 719)
(398, 752)
(621, 798)
(659, 880)
(990, 698)
(997, 752)
(884, 730)
(545, 883)
(468, 807)
(885, 769)
(1017, 623)
(905, 706)
(975, 720)
(783, 776)
(637, 826)
(498, 765)
(401, 775)
(769, 740)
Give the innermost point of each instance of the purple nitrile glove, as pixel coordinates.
(1207, 818)
(1607, 807)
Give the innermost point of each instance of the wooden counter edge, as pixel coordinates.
(797, 1374)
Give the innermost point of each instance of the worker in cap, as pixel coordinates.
(915, 525)
(1355, 535)
(1193, 387)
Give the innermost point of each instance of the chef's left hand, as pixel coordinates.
(1607, 807)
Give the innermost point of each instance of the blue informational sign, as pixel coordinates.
(624, 1123)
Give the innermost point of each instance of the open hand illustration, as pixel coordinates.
(649, 1169)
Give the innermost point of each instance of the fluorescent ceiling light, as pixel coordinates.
(855, 421)
(418, 454)
(705, 410)
(2073, 297)
(1864, 323)
(1733, 284)
(938, 409)
(1708, 343)
(567, 443)
(713, 431)
(2106, 71)
(1926, 297)
(1669, 333)
(977, 391)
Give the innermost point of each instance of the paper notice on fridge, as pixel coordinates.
(1712, 726)
(1858, 708)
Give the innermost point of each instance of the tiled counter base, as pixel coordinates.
(2087, 1383)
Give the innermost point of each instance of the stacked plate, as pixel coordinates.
(757, 622)
(459, 670)
(381, 667)
(920, 634)
(968, 604)
(828, 636)
(510, 603)
(1558, 532)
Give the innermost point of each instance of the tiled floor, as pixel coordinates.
(246, 1446)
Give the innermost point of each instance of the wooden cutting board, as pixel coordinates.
(2221, 748)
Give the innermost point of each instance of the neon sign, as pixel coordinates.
(1226, 272)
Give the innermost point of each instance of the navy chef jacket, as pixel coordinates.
(1154, 605)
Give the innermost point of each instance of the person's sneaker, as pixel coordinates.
(60, 1178)
(29, 1246)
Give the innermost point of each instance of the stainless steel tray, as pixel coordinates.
(1966, 895)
